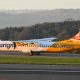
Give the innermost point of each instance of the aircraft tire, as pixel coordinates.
(35, 53)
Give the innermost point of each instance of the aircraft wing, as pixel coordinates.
(37, 40)
(46, 39)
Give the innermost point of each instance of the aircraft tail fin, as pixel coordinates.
(77, 36)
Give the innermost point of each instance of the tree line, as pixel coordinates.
(61, 30)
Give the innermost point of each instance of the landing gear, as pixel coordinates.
(35, 53)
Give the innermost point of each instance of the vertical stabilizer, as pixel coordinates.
(77, 36)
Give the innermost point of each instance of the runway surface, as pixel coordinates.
(65, 55)
(39, 72)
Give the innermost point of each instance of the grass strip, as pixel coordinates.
(39, 60)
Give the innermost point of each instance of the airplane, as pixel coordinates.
(49, 46)
(11, 46)
(35, 47)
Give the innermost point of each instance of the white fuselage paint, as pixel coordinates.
(6, 45)
(36, 47)
(29, 48)
(26, 47)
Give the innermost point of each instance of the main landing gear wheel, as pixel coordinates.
(35, 53)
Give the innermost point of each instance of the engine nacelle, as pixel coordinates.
(26, 51)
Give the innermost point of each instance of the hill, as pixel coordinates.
(30, 17)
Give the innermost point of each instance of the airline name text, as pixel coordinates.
(7, 45)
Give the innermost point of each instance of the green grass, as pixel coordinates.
(38, 60)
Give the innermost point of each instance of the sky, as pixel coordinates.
(39, 4)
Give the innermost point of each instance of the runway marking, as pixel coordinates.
(59, 71)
